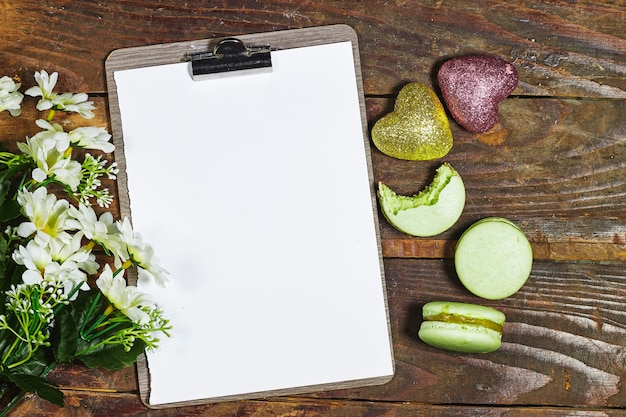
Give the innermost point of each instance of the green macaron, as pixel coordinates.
(461, 327)
(432, 211)
(493, 258)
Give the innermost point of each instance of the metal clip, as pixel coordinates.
(230, 55)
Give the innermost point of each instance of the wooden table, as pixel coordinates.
(555, 164)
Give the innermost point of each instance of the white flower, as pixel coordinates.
(91, 137)
(43, 268)
(35, 257)
(68, 275)
(48, 216)
(128, 299)
(10, 98)
(48, 150)
(74, 102)
(141, 253)
(100, 230)
(64, 101)
(43, 89)
(73, 251)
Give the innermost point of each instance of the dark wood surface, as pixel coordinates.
(555, 163)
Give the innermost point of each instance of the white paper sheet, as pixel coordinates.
(254, 192)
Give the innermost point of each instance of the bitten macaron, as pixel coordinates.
(461, 327)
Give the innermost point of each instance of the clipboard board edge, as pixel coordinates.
(265, 395)
(170, 53)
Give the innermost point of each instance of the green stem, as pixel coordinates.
(86, 334)
(89, 337)
(127, 264)
(48, 180)
(6, 357)
(34, 328)
(19, 340)
(22, 182)
(88, 316)
(8, 158)
(94, 347)
(23, 361)
(12, 403)
(21, 394)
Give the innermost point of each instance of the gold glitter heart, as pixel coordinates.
(417, 129)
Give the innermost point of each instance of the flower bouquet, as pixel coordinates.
(59, 302)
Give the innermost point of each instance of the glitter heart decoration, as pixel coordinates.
(473, 87)
(417, 129)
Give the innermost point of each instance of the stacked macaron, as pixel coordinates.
(493, 259)
(461, 327)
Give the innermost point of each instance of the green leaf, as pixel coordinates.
(81, 305)
(37, 364)
(64, 336)
(10, 210)
(12, 275)
(113, 356)
(4, 190)
(40, 386)
(9, 207)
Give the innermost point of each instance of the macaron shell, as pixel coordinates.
(459, 337)
(431, 220)
(473, 311)
(493, 258)
(496, 219)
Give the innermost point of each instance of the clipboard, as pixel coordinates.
(255, 188)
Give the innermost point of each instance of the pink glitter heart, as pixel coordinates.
(472, 88)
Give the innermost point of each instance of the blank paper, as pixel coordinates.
(255, 193)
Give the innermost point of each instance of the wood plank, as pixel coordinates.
(18, 128)
(560, 48)
(564, 341)
(78, 376)
(556, 167)
(563, 179)
(545, 158)
(80, 404)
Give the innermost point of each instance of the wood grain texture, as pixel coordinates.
(560, 48)
(555, 163)
(84, 405)
(563, 342)
(555, 166)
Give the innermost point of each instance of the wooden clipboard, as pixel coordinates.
(305, 308)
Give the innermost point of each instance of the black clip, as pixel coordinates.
(230, 55)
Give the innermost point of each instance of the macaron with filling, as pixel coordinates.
(461, 327)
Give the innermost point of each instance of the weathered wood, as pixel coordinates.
(556, 166)
(19, 127)
(80, 404)
(545, 158)
(564, 341)
(78, 376)
(560, 48)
